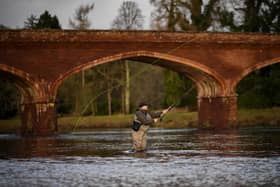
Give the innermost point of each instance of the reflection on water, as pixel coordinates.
(182, 157)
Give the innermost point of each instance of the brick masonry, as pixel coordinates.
(39, 61)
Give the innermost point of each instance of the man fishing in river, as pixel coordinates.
(143, 119)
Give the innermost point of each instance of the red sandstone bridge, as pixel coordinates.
(38, 62)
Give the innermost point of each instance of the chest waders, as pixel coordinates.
(139, 136)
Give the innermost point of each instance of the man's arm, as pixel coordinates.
(155, 114)
(142, 118)
(159, 114)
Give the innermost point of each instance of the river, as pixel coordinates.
(179, 157)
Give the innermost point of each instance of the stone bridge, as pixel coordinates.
(38, 62)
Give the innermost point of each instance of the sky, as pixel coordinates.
(13, 13)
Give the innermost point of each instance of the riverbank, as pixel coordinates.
(176, 119)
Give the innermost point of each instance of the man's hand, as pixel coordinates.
(156, 120)
(164, 111)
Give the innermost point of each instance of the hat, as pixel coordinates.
(143, 104)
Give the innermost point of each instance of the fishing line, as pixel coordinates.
(122, 82)
(175, 104)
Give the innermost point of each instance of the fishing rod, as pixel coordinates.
(171, 107)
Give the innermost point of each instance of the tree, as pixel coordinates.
(251, 16)
(166, 15)
(129, 18)
(31, 22)
(80, 20)
(9, 99)
(186, 15)
(48, 21)
(202, 15)
(3, 27)
(110, 74)
(45, 21)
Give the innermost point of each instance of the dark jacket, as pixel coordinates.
(146, 117)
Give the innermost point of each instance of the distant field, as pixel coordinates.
(175, 119)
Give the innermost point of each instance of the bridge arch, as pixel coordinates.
(253, 68)
(22, 80)
(208, 82)
(27, 90)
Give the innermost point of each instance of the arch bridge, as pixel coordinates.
(38, 62)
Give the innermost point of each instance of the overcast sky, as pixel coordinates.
(13, 13)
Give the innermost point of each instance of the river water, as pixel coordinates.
(181, 157)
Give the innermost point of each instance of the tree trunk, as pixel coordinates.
(109, 97)
(83, 79)
(92, 108)
(127, 88)
(122, 88)
(95, 107)
(81, 100)
(122, 100)
(77, 104)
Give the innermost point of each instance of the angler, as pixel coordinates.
(143, 119)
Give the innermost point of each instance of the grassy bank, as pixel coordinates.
(89, 122)
(251, 117)
(175, 119)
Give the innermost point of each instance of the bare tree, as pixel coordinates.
(31, 22)
(129, 18)
(80, 20)
(109, 73)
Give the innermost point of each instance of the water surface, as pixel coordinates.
(181, 157)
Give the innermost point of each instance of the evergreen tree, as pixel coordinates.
(45, 21)
(3, 27)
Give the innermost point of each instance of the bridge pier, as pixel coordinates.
(217, 112)
(38, 118)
